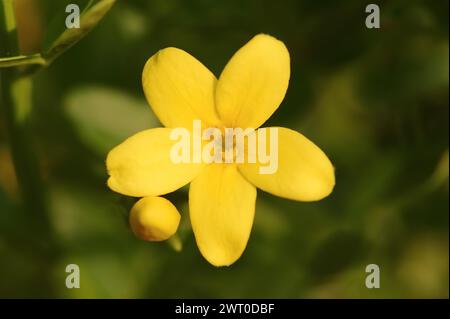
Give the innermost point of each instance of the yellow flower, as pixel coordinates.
(221, 196)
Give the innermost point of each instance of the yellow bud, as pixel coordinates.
(154, 218)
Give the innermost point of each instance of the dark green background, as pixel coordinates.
(375, 100)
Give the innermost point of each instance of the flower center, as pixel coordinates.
(228, 146)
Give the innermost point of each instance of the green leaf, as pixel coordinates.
(104, 117)
(60, 39)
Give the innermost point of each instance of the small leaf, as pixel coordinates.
(93, 12)
(104, 117)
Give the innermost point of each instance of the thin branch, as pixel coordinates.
(20, 60)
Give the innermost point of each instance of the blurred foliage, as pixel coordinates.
(375, 100)
(105, 117)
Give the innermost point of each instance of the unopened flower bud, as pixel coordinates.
(154, 218)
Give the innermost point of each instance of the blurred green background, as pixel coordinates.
(376, 100)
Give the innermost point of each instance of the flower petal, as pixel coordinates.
(304, 172)
(253, 83)
(141, 165)
(179, 89)
(154, 218)
(222, 207)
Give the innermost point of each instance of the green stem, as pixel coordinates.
(15, 101)
(22, 60)
(15, 107)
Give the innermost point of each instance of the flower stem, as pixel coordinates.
(15, 108)
(15, 101)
